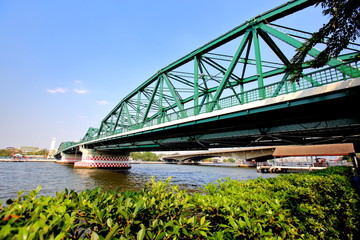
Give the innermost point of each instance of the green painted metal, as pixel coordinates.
(259, 70)
(66, 145)
(175, 94)
(223, 74)
(230, 69)
(150, 102)
(196, 85)
(90, 134)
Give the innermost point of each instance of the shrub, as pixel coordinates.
(319, 205)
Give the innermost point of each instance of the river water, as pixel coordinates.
(17, 176)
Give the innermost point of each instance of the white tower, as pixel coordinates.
(52, 148)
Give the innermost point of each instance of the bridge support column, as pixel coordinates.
(102, 159)
(70, 158)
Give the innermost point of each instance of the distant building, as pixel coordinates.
(26, 149)
(10, 148)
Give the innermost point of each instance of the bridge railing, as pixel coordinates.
(309, 80)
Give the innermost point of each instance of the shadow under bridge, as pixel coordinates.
(254, 153)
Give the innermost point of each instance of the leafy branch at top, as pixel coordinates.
(342, 28)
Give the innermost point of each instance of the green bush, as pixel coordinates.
(318, 205)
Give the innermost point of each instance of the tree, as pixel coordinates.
(9, 152)
(342, 28)
(232, 160)
(144, 156)
(136, 155)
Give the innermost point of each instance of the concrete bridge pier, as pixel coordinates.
(67, 158)
(92, 158)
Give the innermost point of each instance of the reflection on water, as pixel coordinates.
(110, 179)
(54, 178)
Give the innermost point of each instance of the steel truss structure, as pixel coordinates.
(249, 63)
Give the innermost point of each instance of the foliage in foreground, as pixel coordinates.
(323, 205)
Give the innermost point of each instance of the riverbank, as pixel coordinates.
(26, 160)
(327, 206)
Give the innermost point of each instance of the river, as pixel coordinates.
(17, 176)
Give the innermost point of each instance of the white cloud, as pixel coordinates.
(78, 82)
(102, 102)
(57, 90)
(81, 91)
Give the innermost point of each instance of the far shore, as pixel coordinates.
(27, 160)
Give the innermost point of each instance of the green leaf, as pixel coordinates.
(94, 236)
(23, 233)
(202, 220)
(127, 229)
(232, 222)
(161, 236)
(109, 222)
(112, 232)
(60, 236)
(191, 220)
(5, 231)
(203, 233)
(141, 234)
(124, 214)
(155, 223)
(139, 205)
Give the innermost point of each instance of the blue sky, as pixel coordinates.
(64, 64)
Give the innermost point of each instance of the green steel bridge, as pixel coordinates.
(235, 91)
